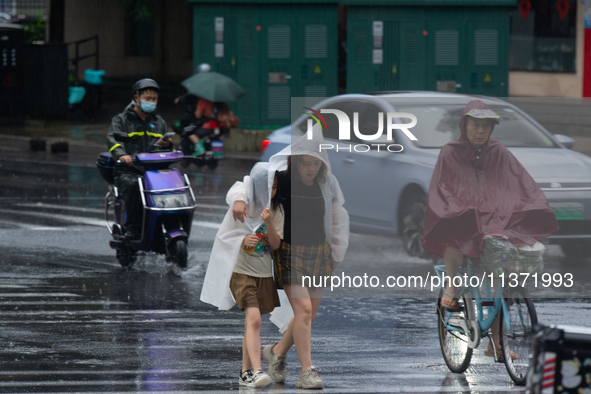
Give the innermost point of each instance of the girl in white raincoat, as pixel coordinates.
(241, 263)
(316, 237)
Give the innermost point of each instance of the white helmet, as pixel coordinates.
(203, 68)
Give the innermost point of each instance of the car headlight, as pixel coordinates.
(171, 200)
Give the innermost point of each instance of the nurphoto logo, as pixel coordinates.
(345, 130)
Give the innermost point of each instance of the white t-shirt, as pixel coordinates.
(256, 261)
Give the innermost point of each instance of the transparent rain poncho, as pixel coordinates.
(336, 218)
(216, 285)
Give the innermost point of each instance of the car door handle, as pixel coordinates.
(350, 161)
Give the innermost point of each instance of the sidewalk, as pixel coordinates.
(87, 141)
(559, 115)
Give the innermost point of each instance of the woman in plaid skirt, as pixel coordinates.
(315, 240)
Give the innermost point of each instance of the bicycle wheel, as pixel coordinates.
(452, 339)
(516, 333)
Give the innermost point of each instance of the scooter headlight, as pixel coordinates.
(171, 200)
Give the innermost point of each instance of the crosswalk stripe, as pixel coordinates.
(99, 210)
(39, 295)
(82, 220)
(62, 218)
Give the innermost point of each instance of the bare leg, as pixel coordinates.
(245, 358)
(194, 138)
(252, 339)
(495, 331)
(299, 331)
(452, 260)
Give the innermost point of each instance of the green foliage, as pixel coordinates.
(35, 30)
(139, 9)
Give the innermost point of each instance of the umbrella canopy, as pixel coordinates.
(213, 87)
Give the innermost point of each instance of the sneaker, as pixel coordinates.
(277, 364)
(259, 379)
(245, 378)
(199, 149)
(309, 379)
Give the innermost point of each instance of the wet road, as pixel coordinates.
(72, 321)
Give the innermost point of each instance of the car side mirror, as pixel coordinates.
(121, 137)
(564, 140)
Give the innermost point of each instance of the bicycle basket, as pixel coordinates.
(500, 254)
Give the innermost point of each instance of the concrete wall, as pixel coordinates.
(540, 84)
(173, 20)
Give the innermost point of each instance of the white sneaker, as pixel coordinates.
(259, 379)
(309, 379)
(277, 368)
(245, 378)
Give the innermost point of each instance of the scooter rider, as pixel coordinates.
(145, 129)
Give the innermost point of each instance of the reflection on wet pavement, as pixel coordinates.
(72, 320)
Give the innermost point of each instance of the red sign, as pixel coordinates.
(562, 6)
(524, 7)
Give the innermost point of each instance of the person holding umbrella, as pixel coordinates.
(214, 91)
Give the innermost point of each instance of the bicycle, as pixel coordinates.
(461, 329)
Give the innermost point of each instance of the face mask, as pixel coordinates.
(147, 106)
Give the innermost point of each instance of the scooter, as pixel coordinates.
(214, 146)
(168, 204)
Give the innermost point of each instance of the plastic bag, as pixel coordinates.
(500, 255)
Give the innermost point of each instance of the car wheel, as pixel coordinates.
(576, 250)
(413, 218)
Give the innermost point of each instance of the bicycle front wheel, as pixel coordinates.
(453, 339)
(516, 326)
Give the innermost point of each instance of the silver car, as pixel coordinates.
(387, 192)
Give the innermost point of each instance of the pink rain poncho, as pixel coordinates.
(481, 192)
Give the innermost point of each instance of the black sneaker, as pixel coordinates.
(245, 378)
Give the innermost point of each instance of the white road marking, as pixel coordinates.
(39, 295)
(68, 219)
(50, 303)
(214, 225)
(82, 220)
(392, 388)
(30, 226)
(94, 312)
(198, 322)
(99, 210)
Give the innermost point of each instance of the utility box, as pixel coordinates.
(278, 49)
(45, 73)
(275, 50)
(459, 46)
(11, 81)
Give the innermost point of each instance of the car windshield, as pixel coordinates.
(438, 125)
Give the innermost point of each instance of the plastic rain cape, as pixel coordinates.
(478, 193)
(336, 228)
(256, 188)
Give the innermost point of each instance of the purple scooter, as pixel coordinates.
(168, 203)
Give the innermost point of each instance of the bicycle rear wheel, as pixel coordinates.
(452, 339)
(516, 333)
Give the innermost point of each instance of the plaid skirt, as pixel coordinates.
(292, 263)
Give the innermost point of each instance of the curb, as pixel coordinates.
(87, 149)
